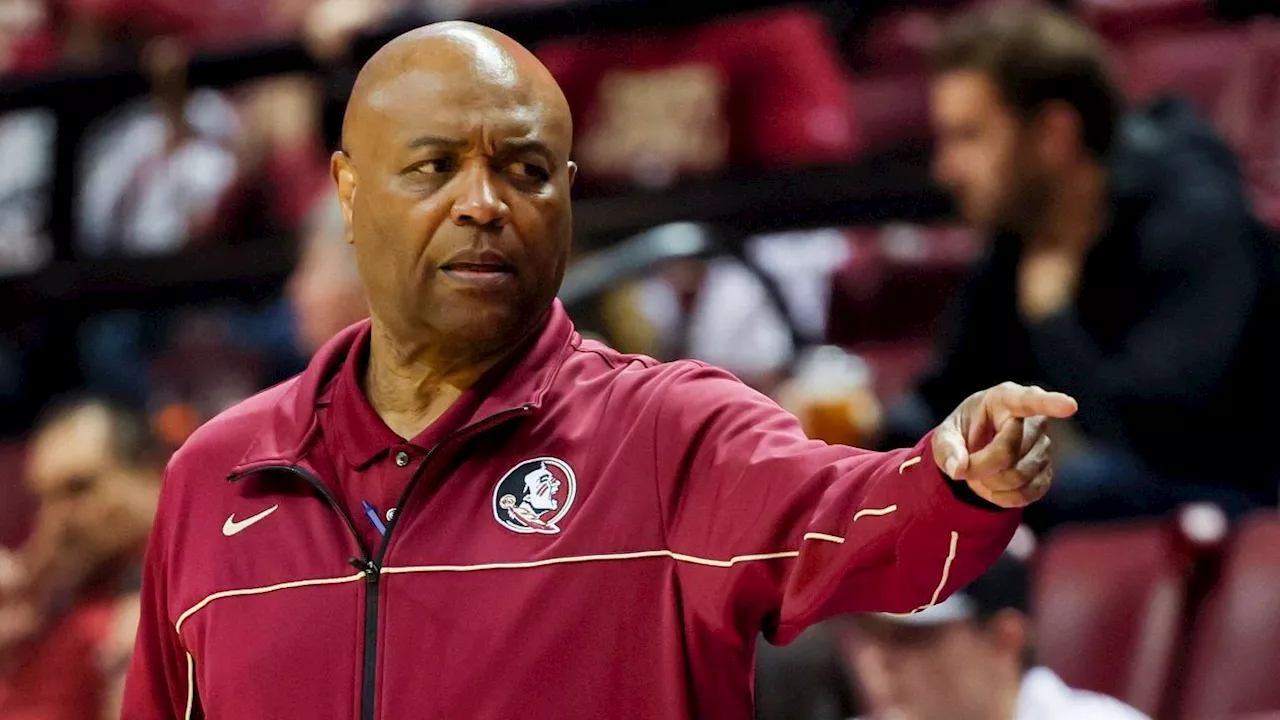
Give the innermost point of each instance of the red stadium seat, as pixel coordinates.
(1109, 604)
(754, 89)
(894, 288)
(16, 504)
(1125, 18)
(1207, 66)
(899, 40)
(854, 287)
(890, 108)
(1234, 667)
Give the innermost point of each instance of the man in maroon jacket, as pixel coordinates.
(463, 509)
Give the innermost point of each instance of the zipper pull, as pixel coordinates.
(370, 568)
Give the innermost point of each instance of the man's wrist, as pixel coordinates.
(965, 494)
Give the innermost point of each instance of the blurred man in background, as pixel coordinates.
(68, 597)
(968, 658)
(1126, 268)
(325, 288)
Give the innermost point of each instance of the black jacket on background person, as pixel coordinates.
(1170, 347)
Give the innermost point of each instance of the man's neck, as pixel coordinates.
(1074, 213)
(1008, 695)
(411, 386)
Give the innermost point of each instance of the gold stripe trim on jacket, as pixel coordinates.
(606, 557)
(591, 558)
(946, 569)
(485, 566)
(261, 590)
(875, 512)
(942, 584)
(191, 686)
(733, 560)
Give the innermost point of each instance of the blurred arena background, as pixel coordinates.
(756, 192)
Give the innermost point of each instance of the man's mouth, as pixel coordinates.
(481, 274)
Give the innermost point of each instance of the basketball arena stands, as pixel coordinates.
(1177, 619)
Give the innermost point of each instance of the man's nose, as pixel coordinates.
(478, 203)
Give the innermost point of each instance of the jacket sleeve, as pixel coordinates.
(772, 531)
(157, 684)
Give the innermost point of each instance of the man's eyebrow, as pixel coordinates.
(512, 146)
(435, 141)
(519, 146)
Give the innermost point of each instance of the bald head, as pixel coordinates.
(453, 53)
(454, 179)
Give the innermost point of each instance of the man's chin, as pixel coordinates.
(485, 326)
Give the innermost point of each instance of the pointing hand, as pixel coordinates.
(995, 442)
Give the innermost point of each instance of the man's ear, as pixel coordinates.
(344, 177)
(1010, 631)
(573, 172)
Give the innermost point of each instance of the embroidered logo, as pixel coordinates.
(234, 527)
(534, 496)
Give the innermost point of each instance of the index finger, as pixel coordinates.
(1024, 402)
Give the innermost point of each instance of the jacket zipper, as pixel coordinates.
(370, 565)
(364, 562)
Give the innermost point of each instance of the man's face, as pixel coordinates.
(944, 672)
(983, 155)
(93, 509)
(457, 188)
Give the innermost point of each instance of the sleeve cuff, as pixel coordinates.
(970, 511)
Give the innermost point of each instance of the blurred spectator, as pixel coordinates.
(970, 657)
(1125, 268)
(280, 151)
(26, 144)
(26, 141)
(68, 602)
(331, 25)
(325, 289)
(157, 174)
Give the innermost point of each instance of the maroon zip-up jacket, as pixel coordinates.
(606, 539)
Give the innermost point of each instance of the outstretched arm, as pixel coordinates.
(774, 531)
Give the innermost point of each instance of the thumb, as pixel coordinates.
(949, 450)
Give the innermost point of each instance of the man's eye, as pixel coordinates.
(529, 171)
(437, 166)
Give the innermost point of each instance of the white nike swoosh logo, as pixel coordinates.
(231, 527)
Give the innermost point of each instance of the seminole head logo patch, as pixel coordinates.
(534, 496)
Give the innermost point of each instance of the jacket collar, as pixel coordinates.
(520, 382)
